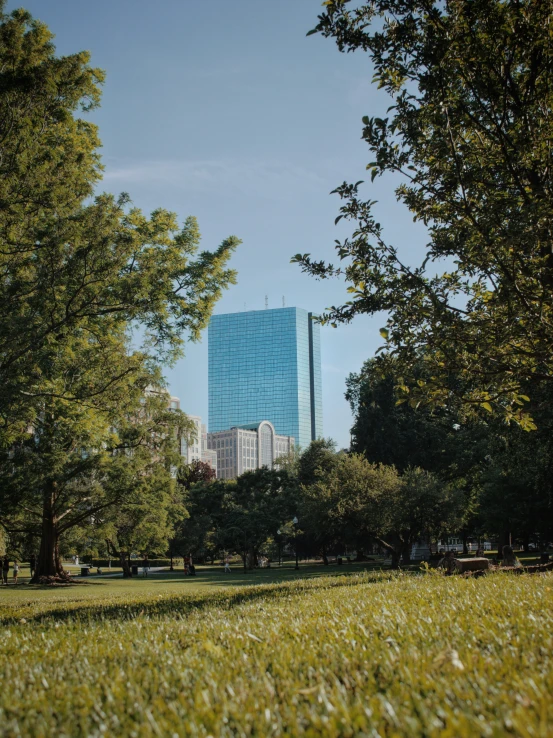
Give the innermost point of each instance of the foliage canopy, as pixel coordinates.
(469, 133)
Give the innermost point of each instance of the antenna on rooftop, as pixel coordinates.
(283, 302)
(266, 301)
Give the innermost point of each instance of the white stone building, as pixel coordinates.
(246, 447)
(208, 456)
(192, 450)
(196, 449)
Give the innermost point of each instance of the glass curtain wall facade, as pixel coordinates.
(266, 365)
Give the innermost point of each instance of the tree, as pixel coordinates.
(516, 500)
(186, 533)
(196, 471)
(203, 531)
(377, 503)
(144, 520)
(341, 503)
(74, 467)
(388, 430)
(469, 135)
(316, 461)
(420, 508)
(241, 514)
(70, 267)
(313, 465)
(79, 282)
(262, 500)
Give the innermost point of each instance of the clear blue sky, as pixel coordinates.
(225, 110)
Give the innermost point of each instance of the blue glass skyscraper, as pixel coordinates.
(266, 365)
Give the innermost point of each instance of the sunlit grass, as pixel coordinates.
(368, 655)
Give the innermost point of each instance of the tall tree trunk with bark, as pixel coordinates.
(48, 561)
(123, 557)
(125, 564)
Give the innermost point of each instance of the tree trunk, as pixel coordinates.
(464, 536)
(125, 564)
(526, 543)
(325, 557)
(251, 560)
(395, 559)
(48, 561)
(406, 553)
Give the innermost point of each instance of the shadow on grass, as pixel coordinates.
(180, 605)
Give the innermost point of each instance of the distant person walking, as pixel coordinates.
(227, 566)
(32, 564)
(145, 567)
(15, 571)
(5, 569)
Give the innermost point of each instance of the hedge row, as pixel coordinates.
(104, 563)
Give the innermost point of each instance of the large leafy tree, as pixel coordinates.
(243, 514)
(372, 501)
(469, 134)
(76, 469)
(94, 295)
(145, 519)
(69, 267)
(388, 430)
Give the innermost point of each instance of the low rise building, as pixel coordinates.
(246, 447)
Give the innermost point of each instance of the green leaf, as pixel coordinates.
(384, 332)
(487, 406)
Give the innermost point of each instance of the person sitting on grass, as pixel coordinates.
(5, 569)
(509, 558)
(448, 563)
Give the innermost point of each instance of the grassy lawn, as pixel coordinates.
(274, 653)
(27, 600)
